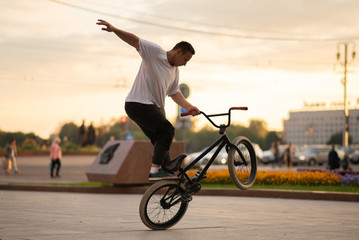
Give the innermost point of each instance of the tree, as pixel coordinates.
(201, 139)
(271, 137)
(70, 131)
(258, 127)
(338, 139)
(18, 136)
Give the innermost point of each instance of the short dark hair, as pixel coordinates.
(184, 46)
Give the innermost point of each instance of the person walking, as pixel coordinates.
(158, 77)
(288, 155)
(333, 159)
(10, 156)
(276, 154)
(55, 156)
(345, 163)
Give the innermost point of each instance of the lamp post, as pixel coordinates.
(345, 64)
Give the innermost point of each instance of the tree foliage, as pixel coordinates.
(70, 132)
(20, 137)
(271, 138)
(195, 140)
(338, 139)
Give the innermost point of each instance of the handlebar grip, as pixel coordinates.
(186, 114)
(239, 108)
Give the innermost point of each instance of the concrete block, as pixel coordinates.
(130, 163)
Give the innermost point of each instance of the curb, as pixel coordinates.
(285, 194)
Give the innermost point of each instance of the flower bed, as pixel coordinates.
(286, 178)
(300, 178)
(350, 180)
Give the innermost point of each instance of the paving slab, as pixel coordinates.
(60, 216)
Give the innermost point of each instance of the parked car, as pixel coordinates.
(350, 149)
(268, 157)
(221, 158)
(314, 155)
(354, 157)
(258, 150)
(222, 155)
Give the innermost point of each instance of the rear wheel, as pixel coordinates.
(242, 163)
(161, 206)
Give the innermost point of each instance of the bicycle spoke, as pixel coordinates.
(155, 209)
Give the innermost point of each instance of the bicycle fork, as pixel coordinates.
(237, 163)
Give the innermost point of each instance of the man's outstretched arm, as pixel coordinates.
(127, 37)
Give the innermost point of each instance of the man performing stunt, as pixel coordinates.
(157, 78)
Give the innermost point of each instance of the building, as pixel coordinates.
(317, 127)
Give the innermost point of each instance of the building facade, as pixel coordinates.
(317, 127)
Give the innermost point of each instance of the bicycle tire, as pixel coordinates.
(152, 212)
(242, 175)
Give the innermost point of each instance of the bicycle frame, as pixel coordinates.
(223, 141)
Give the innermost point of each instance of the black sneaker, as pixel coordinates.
(162, 174)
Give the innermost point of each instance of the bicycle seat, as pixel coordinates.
(174, 165)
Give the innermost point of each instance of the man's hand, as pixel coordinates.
(180, 100)
(108, 28)
(194, 110)
(129, 38)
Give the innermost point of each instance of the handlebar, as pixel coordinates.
(217, 115)
(187, 113)
(239, 108)
(232, 108)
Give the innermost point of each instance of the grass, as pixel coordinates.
(348, 189)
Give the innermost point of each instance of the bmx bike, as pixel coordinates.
(166, 201)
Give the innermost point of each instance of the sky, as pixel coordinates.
(57, 66)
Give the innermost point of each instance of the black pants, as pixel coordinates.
(55, 163)
(156, 127)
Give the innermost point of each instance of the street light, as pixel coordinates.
(345, 63)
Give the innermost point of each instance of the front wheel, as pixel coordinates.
(242, 163)
(161, 206)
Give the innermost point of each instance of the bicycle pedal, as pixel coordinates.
(186, 199)
(203, 177)
(198, 173)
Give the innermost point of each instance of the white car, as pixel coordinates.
(221, 158)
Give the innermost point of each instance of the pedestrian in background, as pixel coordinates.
(288, 155)
(55, 156)
(345, 163)
(333, 159)
(276, 154)
(10, 156)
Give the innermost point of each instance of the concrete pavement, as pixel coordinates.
(35, 169)
(58, 213)
(60, 216)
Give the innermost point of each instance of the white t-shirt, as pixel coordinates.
(155, 79)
